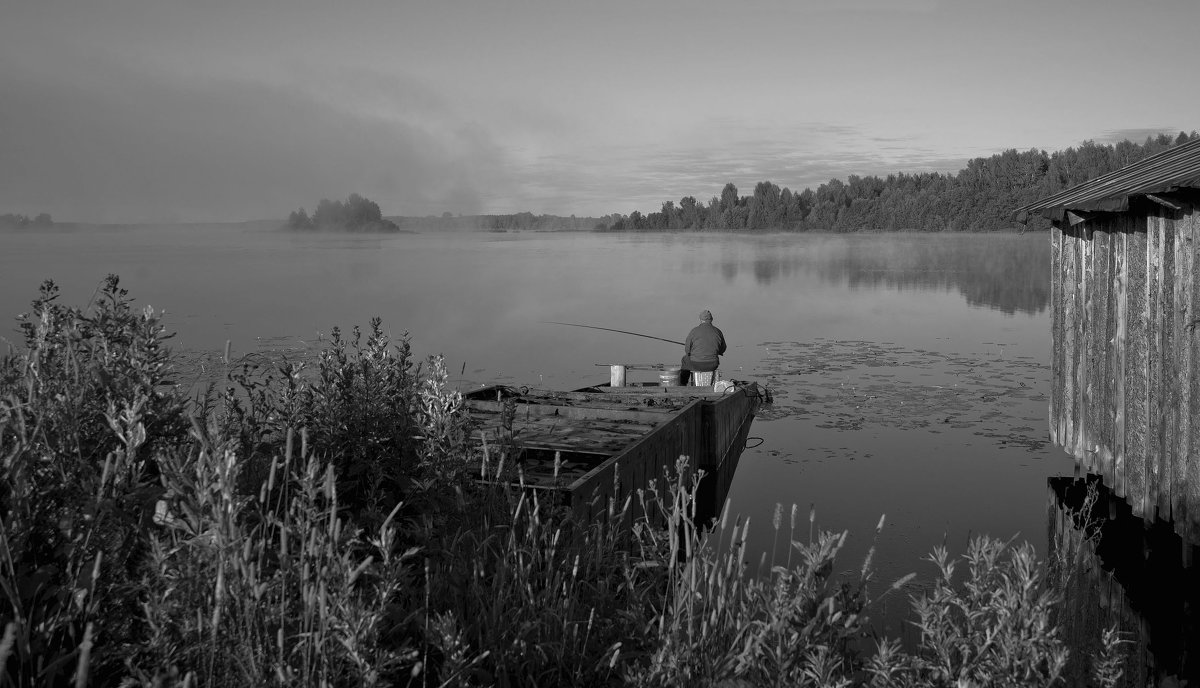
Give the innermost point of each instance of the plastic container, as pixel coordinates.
(669, 377)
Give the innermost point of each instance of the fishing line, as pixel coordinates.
(612, 330)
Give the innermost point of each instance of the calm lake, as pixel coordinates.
(910, 372)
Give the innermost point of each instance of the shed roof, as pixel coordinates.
(1178, 167)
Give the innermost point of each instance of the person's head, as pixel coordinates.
(706, 316)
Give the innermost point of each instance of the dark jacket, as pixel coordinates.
(704, 344)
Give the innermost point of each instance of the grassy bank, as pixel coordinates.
(322, 524)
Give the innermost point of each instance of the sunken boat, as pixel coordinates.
(594, 449)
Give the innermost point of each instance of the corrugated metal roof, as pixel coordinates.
(1176, 168)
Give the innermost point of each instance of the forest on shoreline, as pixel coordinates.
(979, 198)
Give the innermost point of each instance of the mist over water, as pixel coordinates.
(910, 371)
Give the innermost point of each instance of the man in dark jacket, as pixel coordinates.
(702, 349)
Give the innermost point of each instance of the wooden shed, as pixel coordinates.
(1125, 307)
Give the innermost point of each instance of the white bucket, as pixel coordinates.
(669, 377)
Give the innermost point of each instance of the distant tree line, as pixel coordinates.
(361, 214)
(529, 221)
(16, 220)
(515, 222)
(980, 197)
(354, 214)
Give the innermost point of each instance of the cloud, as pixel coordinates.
(111, 143)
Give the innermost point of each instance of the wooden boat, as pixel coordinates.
(592, 449)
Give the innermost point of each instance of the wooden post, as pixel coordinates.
(616, 375)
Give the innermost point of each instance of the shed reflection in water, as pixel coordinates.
(1114, 569)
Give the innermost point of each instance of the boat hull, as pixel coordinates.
(597, 448)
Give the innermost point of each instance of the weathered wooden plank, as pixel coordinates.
(1192, 333)
(724, 424)
(1170, 369)
(1097, 324)
(1117, 480)
(1057, 272)
(648, 400)
(1168, 395)
(523, 424)
(678, 430)
(1083, 281)
(569, 411)
(1181, 382)
(1136, 369)
(1155, 480)
(1088, 349)
(1165, 201)
(714, 487)
(1069, 342)
(578, 443)
(1101, 384)
(1070, 289)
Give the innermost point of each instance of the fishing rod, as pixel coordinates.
(609, 329)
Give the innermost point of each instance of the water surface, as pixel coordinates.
(911, 372)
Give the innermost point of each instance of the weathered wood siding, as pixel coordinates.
(1125, 380)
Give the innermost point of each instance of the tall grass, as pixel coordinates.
(324, 527)
(83, 411)
(294, 593)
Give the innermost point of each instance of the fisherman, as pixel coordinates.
(701, 349)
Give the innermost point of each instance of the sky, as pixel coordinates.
(224, 110)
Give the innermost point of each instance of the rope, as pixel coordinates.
(738, 385)
(521, 391)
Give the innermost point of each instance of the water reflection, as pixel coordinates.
(1117, 570)
(1010, 279)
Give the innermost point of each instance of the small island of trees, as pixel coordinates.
(18, 220)
(356, 214)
